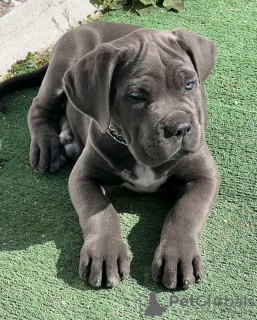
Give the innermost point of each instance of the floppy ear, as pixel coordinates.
(87, 83)
(201, 50)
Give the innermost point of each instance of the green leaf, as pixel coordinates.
(141, 8)
(29, 56)
(15, 66)
(99, 2)
(118, 4)
(174, 4)
(148, 2)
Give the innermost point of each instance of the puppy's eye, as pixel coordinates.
(137, 96)
(189, 86)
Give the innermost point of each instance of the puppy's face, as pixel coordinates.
(156, 104)
(149, 85)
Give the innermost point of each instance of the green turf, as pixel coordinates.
(40, 238)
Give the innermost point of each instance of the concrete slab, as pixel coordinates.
(36, 25)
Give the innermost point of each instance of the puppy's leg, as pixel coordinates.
(46, 151)
(177, 260)
(104, 254)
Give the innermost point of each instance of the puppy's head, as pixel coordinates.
(149, 85)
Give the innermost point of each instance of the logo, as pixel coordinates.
(153, 307)
(150, 307)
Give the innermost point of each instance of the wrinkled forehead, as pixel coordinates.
(153, 57)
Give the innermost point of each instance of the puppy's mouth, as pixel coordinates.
(156, 149)
(156, 156)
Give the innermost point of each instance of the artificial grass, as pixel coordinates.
(40, 237)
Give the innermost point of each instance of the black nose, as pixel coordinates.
(178, 129)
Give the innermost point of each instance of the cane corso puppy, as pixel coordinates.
(128, 104)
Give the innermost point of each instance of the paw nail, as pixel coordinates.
(198, 279)
(171, 285)
(110, 284)
(84, 275)
(185, 284)
(97, 282)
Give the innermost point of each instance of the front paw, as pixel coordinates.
(46, 152)
(104, 261)
(178, 263)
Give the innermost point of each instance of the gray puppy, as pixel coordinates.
(135, 105)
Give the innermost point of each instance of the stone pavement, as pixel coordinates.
(8, 5)
(35, 25)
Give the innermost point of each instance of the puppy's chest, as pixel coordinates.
(142, 179)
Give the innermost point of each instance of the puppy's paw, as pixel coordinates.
(46, 152)
(73, 150)
(66, 137)
(104, 261)
(178, 264)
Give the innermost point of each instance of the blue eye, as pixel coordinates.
(137, 96)
(189, 86)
